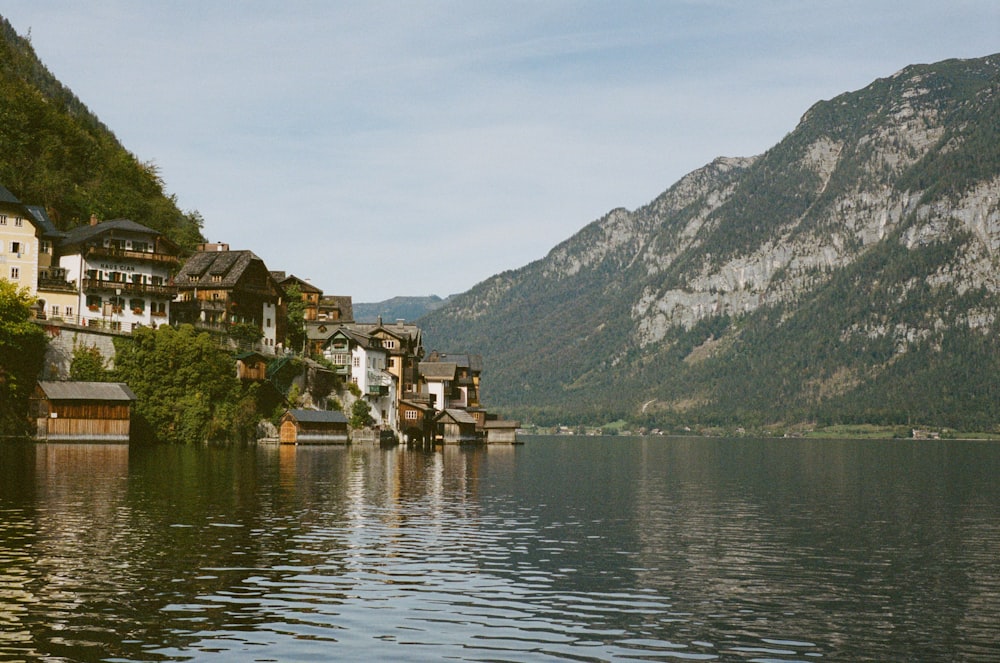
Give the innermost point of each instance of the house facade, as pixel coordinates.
(82, 411)
(122, 272)
(363, 360)
(218, 288)
(19, 243)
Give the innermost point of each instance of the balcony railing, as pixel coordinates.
(107, 252)
(130, 288)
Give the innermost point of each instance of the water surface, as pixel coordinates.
(564, 549)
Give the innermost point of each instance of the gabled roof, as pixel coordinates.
(456, 415)
(438, 370)
(86, 391)
(230, 266)
(318, 416)
(285, 281)
(85, 233)
(342, 303)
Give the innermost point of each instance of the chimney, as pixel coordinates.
(93, 219)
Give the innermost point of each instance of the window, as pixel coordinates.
(390, 344)
(3, 219)
(69, 311)
(94, 302)
(55, 311)
(392, 362)
(18, 222)
(15, 247)
(411, 415)
(269, 322)
(15, 273)
(46, 246)
(137, 305)
(357, 362)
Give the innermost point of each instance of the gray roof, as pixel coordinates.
(438, 370)
(501, 423)
(87, 391)
(84, 233)
(202, 266)
(459, 416)
(7, 197)
(43, 222)
(319, 416)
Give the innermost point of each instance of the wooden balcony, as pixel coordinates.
(123, 254)
(125, 288)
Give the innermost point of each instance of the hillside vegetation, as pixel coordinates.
(56, 153)
(847, 275)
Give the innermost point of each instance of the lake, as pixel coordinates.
(563, 549)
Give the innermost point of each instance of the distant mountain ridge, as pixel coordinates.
(848, 274)
(398, 308)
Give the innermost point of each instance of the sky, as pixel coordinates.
(417, 147)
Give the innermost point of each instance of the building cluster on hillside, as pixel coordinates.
(117, 275)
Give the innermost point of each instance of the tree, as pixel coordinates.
(185, 384)
(296, 318)
(22, 355)
(88, 365)
(361, 414)
(245, 334)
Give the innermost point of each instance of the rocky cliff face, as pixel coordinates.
(884, 201)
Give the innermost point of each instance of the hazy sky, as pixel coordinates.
(416, 148)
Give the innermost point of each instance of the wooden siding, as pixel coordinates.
(60, 428)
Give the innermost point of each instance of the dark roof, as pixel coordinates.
(252, 354)
(87, 391)
(7, 197)
(42, 221)
(342, 303)
(285, 281)
(82, 234)
(319, 416)
(202, 266)
(440, 370)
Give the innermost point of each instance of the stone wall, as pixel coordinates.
(62, 340)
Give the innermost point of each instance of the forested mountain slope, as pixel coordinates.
(55, 152)
(849, 274)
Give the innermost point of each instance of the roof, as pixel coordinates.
(7, 197)
(41, 219)
(438, 370)
(459, 416)
(501, 423)
(84, 233)
(252, 354)
(342, 303)
(285, 281)
(86, 391)
(229, 265)
(318, 416)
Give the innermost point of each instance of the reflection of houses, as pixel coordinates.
(218, 288)
(313, 427)
(84, 411)
(122, 270)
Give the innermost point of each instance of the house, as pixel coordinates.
(313, 427)
(403, 342)
(463, 384)
(309, 293)
(19, 243)
(82, 411)
(217, 288)
(501, 431)
(454, 426)
(336, 308)
(437, 380)
(362, 359)
(251, 366)
(416, 419)
(122, 270)
(58, 297)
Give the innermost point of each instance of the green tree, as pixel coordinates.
(88, 365)
(296, 319)
(22, 355)
(245, 334)
(185, 384)
(361, 414)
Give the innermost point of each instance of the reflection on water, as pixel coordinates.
(564, 549)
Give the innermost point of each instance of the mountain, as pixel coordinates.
(54, 152)
(849, 274)
(397, 308)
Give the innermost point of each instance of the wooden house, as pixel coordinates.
(454, 426)
(251, 366)
(416, 419)
(309, 293)
(313, 427)
(501, 431)
(82, 411)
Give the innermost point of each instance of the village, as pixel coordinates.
(106, 279)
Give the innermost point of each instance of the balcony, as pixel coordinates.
(56, 285)
(125, 288)
(124, 254)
